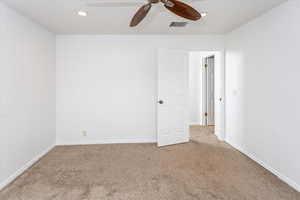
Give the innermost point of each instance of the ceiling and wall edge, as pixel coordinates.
(63, 20)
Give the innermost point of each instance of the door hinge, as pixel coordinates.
(205, 65)
(205, 114)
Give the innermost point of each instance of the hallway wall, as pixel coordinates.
(262, 90)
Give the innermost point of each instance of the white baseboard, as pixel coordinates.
(150, 140)
(195, 124)
(284, 178)
(107, 141)
(24, 168)
(219, 137)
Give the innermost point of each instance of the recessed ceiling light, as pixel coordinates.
(82, 13)
(203, 14)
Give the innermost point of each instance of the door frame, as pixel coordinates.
(205, 97)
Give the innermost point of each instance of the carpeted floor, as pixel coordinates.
(203, 170)
(204, 134)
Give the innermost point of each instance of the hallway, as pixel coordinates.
(203, 134)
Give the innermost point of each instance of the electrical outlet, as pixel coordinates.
(84, 133)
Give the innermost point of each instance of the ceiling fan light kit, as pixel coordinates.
(168, 3)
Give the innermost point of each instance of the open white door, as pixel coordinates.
(172, 109)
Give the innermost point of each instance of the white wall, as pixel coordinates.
(262, 65)
(107, 85)
(27, 98)
(195, 88)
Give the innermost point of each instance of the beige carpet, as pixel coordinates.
(204, 134)
(192, 171)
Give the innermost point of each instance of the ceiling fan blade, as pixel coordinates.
(181, 9)
(140, 14)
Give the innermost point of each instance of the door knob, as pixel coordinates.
(161, 102)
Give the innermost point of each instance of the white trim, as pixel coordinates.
(21, 170)
(284, 178)
(107, 141)
(219, 136)
(195, 124)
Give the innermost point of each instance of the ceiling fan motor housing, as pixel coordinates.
(154, 1)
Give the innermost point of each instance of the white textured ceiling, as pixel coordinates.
(60, 16)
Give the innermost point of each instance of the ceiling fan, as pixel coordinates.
(175, 6)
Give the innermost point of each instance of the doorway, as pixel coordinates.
(181, 83)
(206, 97)
(208, 94)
